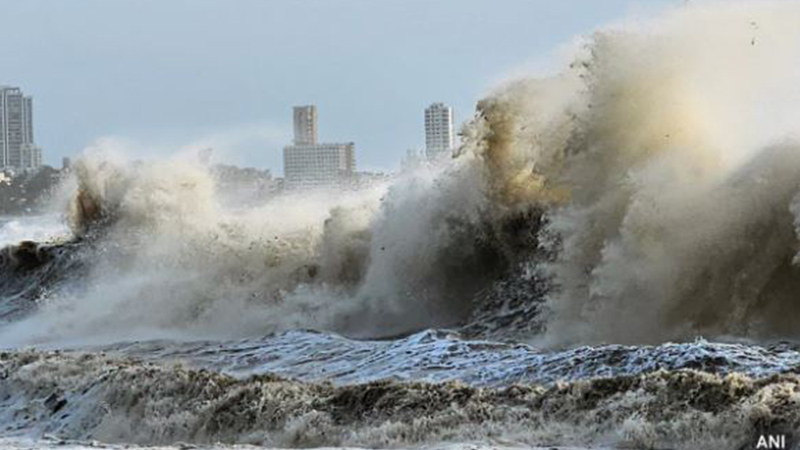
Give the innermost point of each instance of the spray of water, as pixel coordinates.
(658, 173)
(671, 173)
(167, 259)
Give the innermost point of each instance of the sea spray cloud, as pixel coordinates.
(653, 182)
(167, 259)
(674, 165)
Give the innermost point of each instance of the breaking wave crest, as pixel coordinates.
(683, 170)
(648, 192)
(668, 167)
(165, 259)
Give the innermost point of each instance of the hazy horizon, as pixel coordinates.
(155, 77)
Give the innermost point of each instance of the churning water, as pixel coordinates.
(610, 259)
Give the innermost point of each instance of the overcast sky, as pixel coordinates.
(155, 76)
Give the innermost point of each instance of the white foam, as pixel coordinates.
(39, 228)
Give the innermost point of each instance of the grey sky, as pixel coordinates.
(162, 74)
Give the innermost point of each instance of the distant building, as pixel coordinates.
(66, 163)
(305, 125)
(308, 164)
(318, 166)
(439, 136)
(17, 148)
(31, 156)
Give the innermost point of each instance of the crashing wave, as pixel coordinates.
(648, 192)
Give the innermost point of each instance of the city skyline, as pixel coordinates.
(158, 77)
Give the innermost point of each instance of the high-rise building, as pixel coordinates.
(17, 148)
(30, 156)
(319, 166)
(308, 164)
(438, 130)
(305, 125)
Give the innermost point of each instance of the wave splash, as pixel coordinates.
(682, 167)
(667, 164)
(651, 187)
(165, 259)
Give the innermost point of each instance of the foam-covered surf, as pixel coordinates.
(37, 228)
(610, 258)
(118, 400)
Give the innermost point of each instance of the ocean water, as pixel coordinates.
(19, 444)
(608, 261)
(39, 228)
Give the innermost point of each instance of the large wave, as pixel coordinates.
(167, 259)
(651, 186)
(667, 161)
(683, 169)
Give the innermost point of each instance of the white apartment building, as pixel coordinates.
(318, 166)
(308, 164)
(305, 125)
(17, 149)
(31, 156)
(439, 136)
